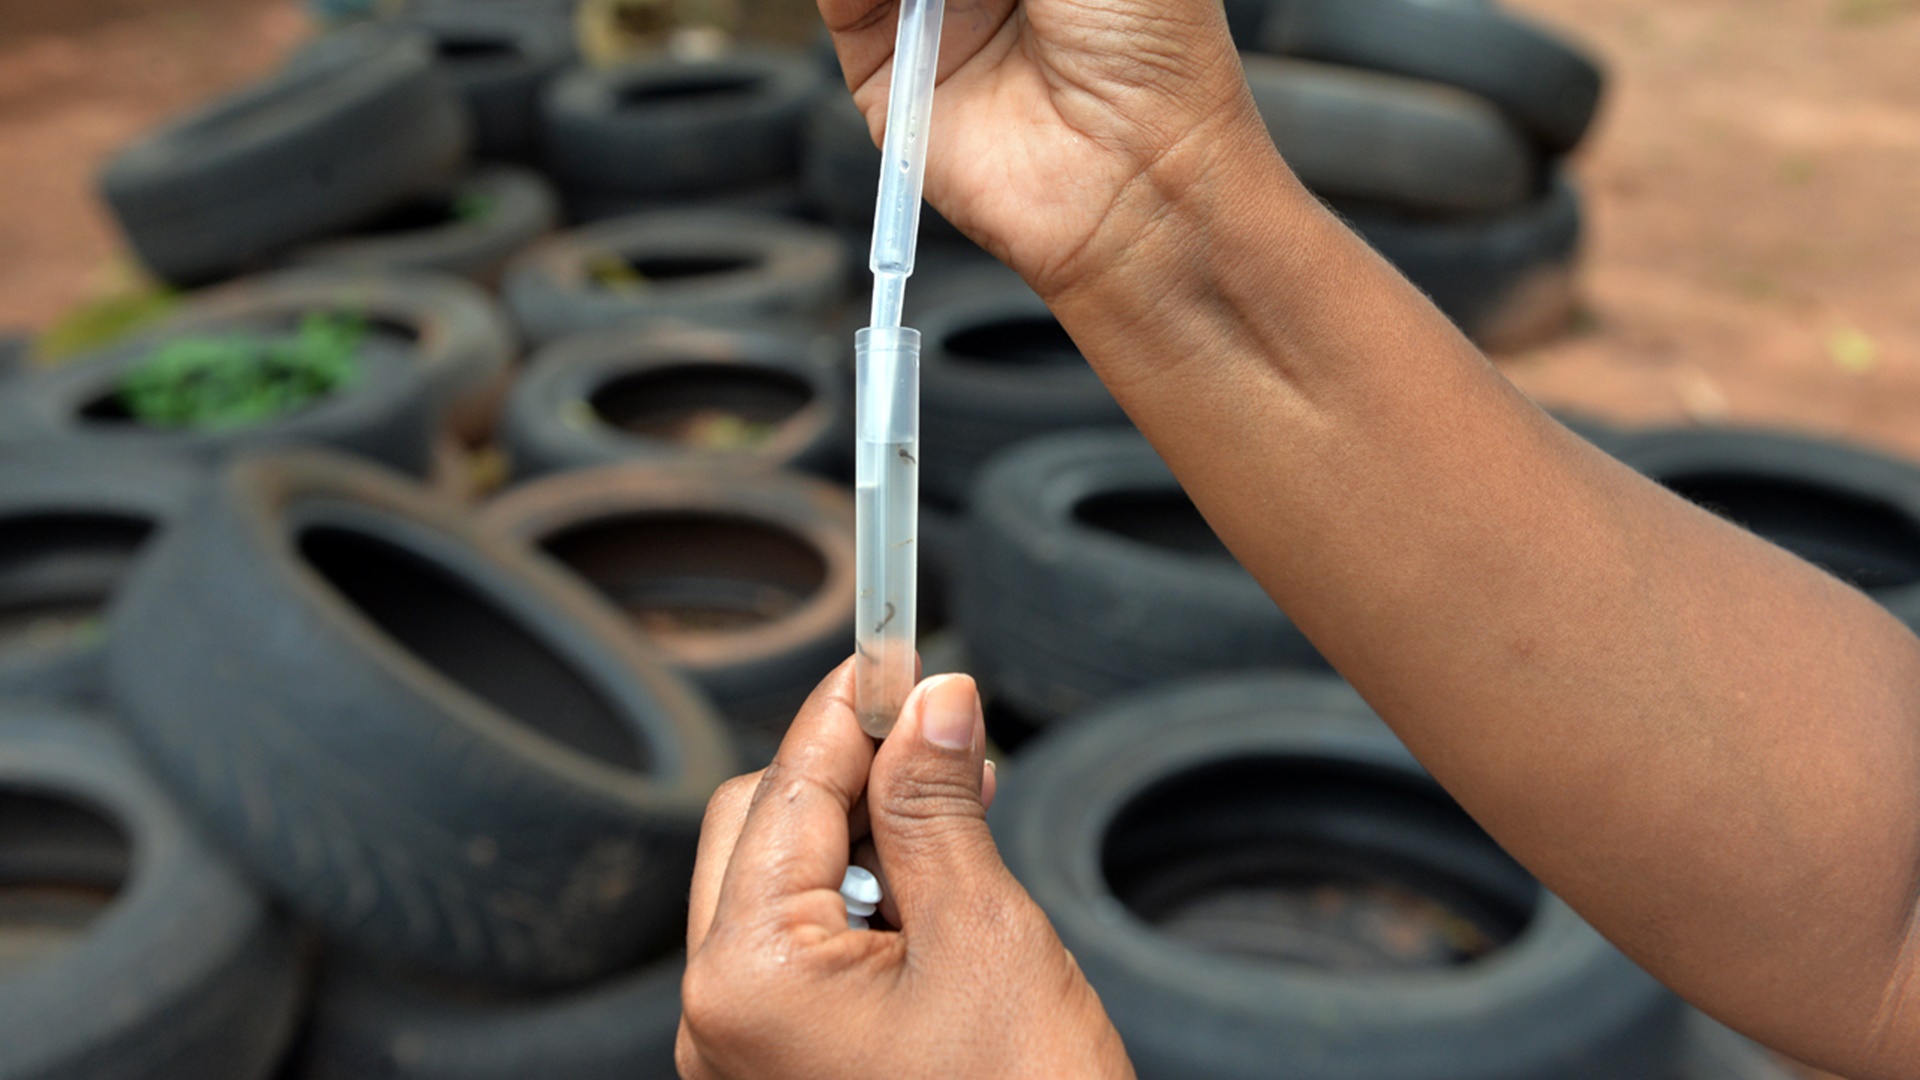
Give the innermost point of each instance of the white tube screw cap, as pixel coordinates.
(861, 892)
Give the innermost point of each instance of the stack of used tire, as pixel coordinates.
(318, 762)
(368, 738)
(1438, 129)
(1248, 866)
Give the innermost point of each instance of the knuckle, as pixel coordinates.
(730, 797)
(914, 797)
(706, 1005)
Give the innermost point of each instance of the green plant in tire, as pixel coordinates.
(471, 208)
(237, 380)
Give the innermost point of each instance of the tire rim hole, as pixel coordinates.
(415, 215)
(691, 86)
(468, 637)
(1166, 520)
(1025, 341)
(57, 570)
(705, 407)
(62, 864)
(687, 576)
(1331, 866)
(471, 48)
(679, 268)
(1868, 543)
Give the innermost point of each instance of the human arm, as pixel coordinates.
(1709, 748)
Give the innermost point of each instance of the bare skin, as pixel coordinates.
(1708, 747)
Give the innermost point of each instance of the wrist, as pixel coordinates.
(1215, 229)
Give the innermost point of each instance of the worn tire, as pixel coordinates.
(357, 123)
(669, 126)
(428, 233)
(431, 744)
(997, 369)
(705, 267)
(370, 1025)
(459, 337)
(72, 525)
(1548, 86)
(781, 198)
(1714, 1052)
(1088, 573)
(500, 57)
(16, 348)
(1399, 142)
(388, 414)
(1847, 510)
(1175, 838)
(1507, 280)
(841, 171)
(767, 561)
(620, 396)
(942, 539)
(188, 974)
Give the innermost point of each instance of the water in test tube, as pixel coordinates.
(887, 390)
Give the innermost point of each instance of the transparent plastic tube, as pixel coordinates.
(887, 390)
(903, 157)
(886, 522)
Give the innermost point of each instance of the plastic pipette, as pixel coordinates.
(887, 389)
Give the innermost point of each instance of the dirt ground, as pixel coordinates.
(1753, 188)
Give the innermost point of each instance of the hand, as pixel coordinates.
(1062, 128)
(973, 983)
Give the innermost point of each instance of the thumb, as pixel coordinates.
(924, 799)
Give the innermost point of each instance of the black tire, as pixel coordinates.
(657, 395)
(672, 127)
(454, 332)
(387, 414)
(1847, 510)
(841, 171)
(1182, 842)
(357, 123)
(942, 539)
(1245, 19)
(1548, 86)
(15, 349)
(370, 1025)
(782, 198)
(434, 746)
(1088, 573)
(472, 229)
(1604, 434)
(689, 266)
(71, 527)
(1715, 1053)
(745, 585)
(997, 369)
(1390, 140)
(500, 57)
(1507, 280)
(187, 974)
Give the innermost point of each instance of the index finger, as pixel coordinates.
(796, 837)
(864, 31)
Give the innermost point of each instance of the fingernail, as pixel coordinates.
(948, 707)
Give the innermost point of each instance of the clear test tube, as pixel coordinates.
(887, 519)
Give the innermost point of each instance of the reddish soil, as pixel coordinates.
(79, 78)
(1754, 189)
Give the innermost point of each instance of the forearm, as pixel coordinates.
(1709, 748)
